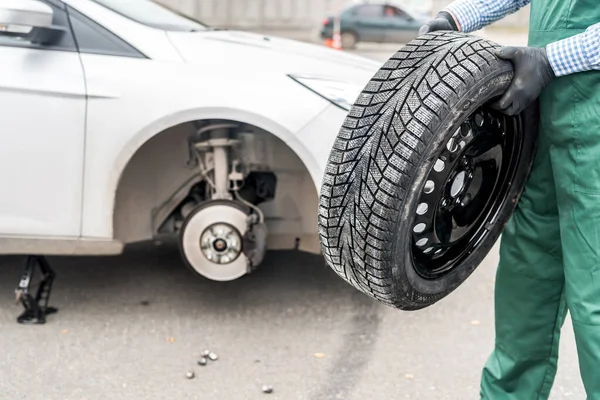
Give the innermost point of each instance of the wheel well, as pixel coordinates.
(160, 172)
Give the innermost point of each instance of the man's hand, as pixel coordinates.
(443, 21)
(533, 73)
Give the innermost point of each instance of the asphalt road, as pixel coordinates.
(130, 327)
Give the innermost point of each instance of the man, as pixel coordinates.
(390, 12)
(550, 250)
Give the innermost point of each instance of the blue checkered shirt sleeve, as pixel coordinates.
(577, 53)
(475, 14)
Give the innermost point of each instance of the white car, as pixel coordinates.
(122, 121)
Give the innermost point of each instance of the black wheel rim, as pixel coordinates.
(464, 191)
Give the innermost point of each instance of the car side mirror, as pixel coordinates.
(25, 14)
(30, 20)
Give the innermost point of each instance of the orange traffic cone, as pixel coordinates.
(337, 41)
(329, 43)
(337, 38)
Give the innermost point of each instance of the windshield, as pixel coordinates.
(150, 13)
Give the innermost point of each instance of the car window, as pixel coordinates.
(152, 14)
(95, 39)
(395, 12)
(369, 11)
(15, 35)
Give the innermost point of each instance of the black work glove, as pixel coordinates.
(443, 21)
(533, 73)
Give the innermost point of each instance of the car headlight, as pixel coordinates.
(342, 94)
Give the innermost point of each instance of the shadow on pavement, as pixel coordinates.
(147, 274)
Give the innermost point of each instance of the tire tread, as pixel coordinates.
(379, 146)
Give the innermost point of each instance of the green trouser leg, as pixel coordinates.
(529, 298)
(550, 253)
(576, 160)
(550, 250)
(580, 230)
(570, 120)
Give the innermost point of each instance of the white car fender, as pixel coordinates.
(112, 139)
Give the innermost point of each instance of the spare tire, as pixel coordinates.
(424, 175)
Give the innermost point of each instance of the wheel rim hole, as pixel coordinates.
(419, 228)
(457, 184)
(465, 130)
(429, 187)
(428, 250)
(479, 120)
(422, 208)
(452, 145)
(439, 166)
(422, 242)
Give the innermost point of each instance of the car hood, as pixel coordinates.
(254, 54)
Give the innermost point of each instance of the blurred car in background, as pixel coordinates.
(423, 7)
(375, 23)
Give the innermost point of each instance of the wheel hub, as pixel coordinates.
(212, 240)
(464, 190)
(221, 243)
(458, 184)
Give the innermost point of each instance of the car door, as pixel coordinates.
(42, 133)
(369, 22)
(401, 27)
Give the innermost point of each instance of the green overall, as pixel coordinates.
(550, 249)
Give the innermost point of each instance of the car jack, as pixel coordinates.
(36, 308)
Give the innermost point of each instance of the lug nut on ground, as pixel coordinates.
(190, 375)
(267, 389)
(202, 361)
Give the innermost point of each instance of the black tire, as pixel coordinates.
(349, 40)
(384, 153)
